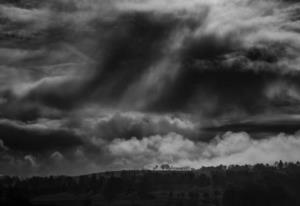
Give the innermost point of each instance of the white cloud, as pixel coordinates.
(231, 148)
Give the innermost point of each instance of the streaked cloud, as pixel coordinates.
(87, 85)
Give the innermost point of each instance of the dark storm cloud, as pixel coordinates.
(252, 127)
(56, 93)
(24, 138)
(213, 64)
(125, 47)
(222, 88)
(20, 3)
(132, 42)
(138, 41)
(259, 126)
(89, 85)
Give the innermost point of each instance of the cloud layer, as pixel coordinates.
(102, 85)
(230, 148)
(145, 153)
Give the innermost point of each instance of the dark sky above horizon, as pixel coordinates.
(93, 85)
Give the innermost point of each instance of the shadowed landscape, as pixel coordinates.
(257, 185)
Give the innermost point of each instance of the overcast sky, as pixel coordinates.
(94, 85)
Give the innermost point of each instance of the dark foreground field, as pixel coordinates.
(263, 185)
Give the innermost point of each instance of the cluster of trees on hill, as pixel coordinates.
(258, 185)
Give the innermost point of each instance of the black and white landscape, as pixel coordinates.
(88, 86)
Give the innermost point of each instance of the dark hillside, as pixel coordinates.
(257, 185)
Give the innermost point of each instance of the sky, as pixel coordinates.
(97, 85)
